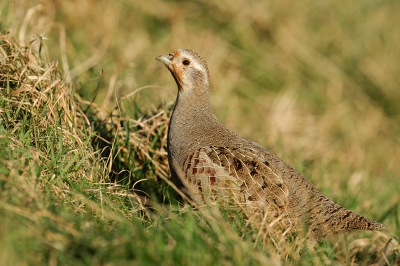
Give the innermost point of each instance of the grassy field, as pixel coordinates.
(84, 109)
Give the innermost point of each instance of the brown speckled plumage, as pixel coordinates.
(210, 162)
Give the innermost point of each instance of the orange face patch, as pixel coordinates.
(176, 69)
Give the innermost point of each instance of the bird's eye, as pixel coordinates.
(186, 62)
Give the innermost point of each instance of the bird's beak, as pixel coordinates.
(166, 59)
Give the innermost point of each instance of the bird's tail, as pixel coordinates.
(328, 218)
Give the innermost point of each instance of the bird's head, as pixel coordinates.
(189, 69)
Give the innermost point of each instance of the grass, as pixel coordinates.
(85, 182)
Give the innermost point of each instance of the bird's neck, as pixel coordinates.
(193, 105)
(191, 117)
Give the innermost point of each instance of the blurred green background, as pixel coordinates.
(316, 82)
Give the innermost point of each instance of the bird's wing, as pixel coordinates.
(237, 174)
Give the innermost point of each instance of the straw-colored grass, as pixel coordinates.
(85, 182)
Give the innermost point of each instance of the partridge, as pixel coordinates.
(210, 162)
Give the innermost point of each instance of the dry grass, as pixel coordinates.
(330, 110)
(33, 93)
